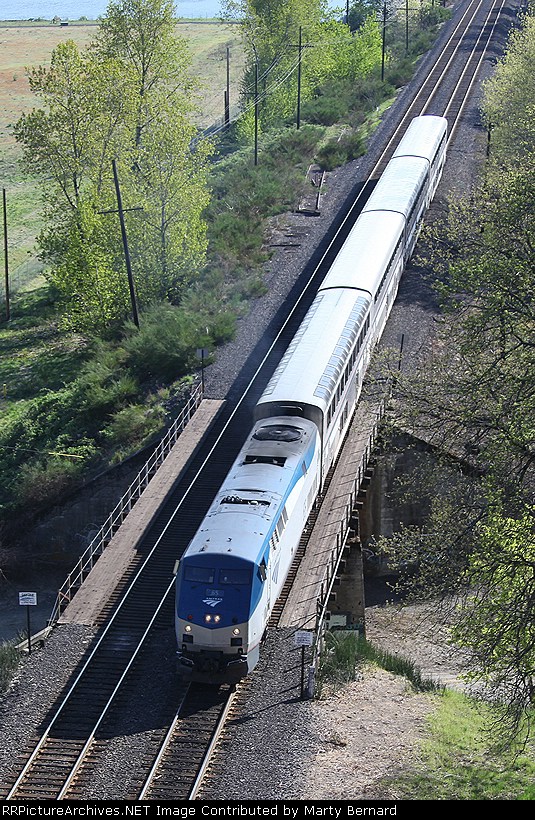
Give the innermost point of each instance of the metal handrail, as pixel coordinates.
(331, 569)
(101, 540)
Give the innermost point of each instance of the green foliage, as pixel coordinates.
(345, 650)
(476, 399)
(164, 346)
(338, 662)
(498, 622)
(325, 109)
(455, 762)
(328, 51)
(245, 194)
(508, 106)
(360, 10)
(44, 482)
(348, 146)
(128, 97)
(398, 665)
(95, 292)
(133, 425)
(9, 661)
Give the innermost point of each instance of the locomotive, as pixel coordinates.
(234, 568)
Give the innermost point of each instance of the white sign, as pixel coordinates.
(304, 638)
(28, 598)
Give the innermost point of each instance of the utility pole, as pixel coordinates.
(227, 92)
(299, 79)
(125, 244)
(383, 48)
(6, 264)
(256, 111)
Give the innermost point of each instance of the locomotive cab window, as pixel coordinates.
(234, 576)
(262, 570)
(199, 575)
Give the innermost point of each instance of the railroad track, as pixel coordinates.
(74, 740)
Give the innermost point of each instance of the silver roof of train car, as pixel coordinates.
(399, 186)
(402, 178)
(422, 137)
(318, 350)
(368, 248)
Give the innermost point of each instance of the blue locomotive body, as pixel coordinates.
(233, 570)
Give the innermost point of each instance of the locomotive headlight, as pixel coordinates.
(217, 618)
(187, 628)
(236, 631)
(207, 618)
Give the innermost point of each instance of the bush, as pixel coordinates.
(41, 483)
(133, 424)
(324, 110)
(163, 347)
(337, 152)
(344, 650)
(9, 661)
(339, 658)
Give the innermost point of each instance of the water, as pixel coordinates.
(74, 9)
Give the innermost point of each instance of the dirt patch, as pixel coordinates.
(373, 727)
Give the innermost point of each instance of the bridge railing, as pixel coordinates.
(101, 540)
(331, 570)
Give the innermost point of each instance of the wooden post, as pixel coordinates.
(6, 264)
(125, 245)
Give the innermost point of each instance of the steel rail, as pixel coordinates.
(163, 749)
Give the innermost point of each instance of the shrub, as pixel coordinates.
(339, 657)
(163, 347)
(337, 152)
(134, 424)
(41, 483)
(324, 110)
(9, 660)
(344, 650)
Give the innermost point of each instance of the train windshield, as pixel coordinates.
(234, 576)
(210, 575)
(199, 575)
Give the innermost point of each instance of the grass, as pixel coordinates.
(345, 651)
(457, 763)
(9, 661)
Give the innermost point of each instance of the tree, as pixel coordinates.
(69, 145)
(360, 10)
(165, 162)
(509, 109)
(475, 398)
(272, 31)
(498, 622)
(128, 97)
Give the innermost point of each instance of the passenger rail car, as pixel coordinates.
(234, 568)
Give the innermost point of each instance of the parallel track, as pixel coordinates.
(60, 763)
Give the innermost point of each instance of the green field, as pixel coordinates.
(28, 45)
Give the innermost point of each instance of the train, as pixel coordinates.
(234, 568)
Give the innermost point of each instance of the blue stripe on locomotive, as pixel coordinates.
(196, 598)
